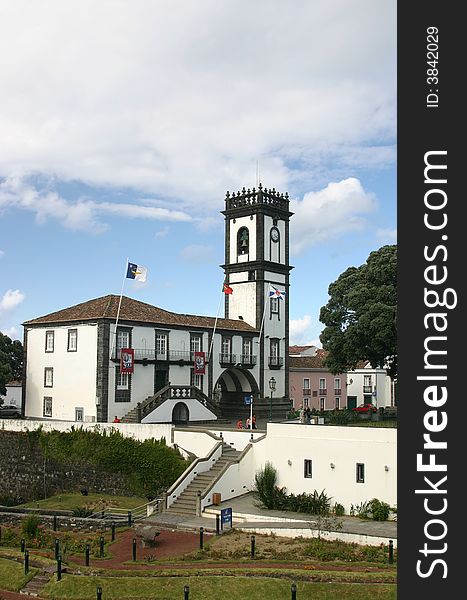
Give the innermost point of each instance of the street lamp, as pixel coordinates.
(272, 387)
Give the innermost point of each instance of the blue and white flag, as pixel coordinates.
(136, 272)
(275, 293)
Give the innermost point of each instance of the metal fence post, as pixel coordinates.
(26, 562)
(186, 592)
(101, 547)
(134, 548)
(201, 535)
(113, 531)
(391, 552)
(57, 548)
(253, 540)
(22, 545)
(59, 568)
(55, 523)
(129, 518)
(98, 593)
(86, 555)
(293, 589)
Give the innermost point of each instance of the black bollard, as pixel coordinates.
(59, 568)
(55, 522)
(26, 562)
(186, 592)
(391, 552)
(86, 555)
(22, 545)
(201, 535)
(57, 548)
(101, 547)
(218, 524)
(134, 548)
(113, 531)
(98, 593)
(129, 518)
(253, 540)
(294, 591)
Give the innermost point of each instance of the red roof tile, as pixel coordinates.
(106, 307)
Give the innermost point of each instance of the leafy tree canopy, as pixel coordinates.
(11, 361)
(361, 315)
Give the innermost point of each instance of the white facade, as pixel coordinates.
(61, 383)
(370, 382)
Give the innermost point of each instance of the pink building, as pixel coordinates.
(312, 385)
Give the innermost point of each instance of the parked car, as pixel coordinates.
(9, 411)
(365, 408)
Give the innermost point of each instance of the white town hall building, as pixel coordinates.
(72, 356)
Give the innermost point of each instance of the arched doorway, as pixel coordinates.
(180, 414)
(235, 383)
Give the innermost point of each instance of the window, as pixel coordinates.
(338, 403)
(123, 339)
(251, 275)
(306, 384)
(72, 340)
(321, 403)
(48, 377)
(322, 384)
(196, 380)
(195, 343)
(306, 402)
(360, 473)
(47, 406)
(79, 414)
(161, 345)
(274, 349)
(49, 341)
(246, 348)
(337, 383)
(274, 305)
(243, 240)
(226, 346)
(366, 380)
(308, 468)
(122, 381)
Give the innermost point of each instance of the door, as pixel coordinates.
(180, 413)
(161, 380)
(351, 402)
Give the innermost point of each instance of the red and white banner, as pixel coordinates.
(127, 360)
(200, 363)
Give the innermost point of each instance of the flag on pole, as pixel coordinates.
(275, 293)
(227, 289)
(136, 272)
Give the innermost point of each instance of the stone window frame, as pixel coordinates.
(308, 468)
(51, 371)
(47, 402)
(360, 473)
(69, 348)
(47, 334)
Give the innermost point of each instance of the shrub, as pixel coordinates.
(30, 526)
(82, 511)
(379, 510)
(340, 417)
(338, 510)
(265, 481)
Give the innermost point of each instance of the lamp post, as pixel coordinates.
(272, 387)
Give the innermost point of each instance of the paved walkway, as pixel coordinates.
(245, 508)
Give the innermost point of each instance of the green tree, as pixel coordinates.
(361, 315)
(11, 361)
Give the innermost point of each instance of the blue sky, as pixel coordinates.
(122, 125)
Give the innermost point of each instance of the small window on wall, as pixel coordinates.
(243, 241)
(122, 381)
(48, 377)
(338, 403)
(308, 468)
(47, 406)
(274, 305)
(321, 403)
(360, 473)
(49, 341)
(79, 414)
(72, 340)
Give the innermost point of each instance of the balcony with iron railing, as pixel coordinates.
(322, 391)
(225, 358)
(337, 391)
(149, 354)
(367, 389)
(276, 362)
(247, 360)
(306, 391)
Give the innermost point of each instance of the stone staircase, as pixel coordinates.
(173, 392)
(185, 504)
(35, 585)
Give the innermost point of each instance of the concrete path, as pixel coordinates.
(248, 516)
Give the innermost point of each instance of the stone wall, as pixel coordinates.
(27, 473)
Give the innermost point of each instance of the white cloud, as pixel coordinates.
(162, 233)
(78, 215)
(300, 332)
(11, 332)
(197, 253)
(179, 99)
(2, 253)
(386, 236)
(11, 299)
(338, 208)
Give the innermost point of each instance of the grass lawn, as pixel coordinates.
(94, 501)
(12, 575)
(210, 588)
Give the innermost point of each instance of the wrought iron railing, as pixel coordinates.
(227, 359)
(276, 361)
(248, 359)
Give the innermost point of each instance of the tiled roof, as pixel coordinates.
(298, 349)
(309, 362)
(106, 307)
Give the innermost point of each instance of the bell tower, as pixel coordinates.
(256, 266)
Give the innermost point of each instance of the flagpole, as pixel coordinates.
(119, 305)
(262, 320)
(215, 325)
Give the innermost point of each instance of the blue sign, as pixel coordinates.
(226, 517)
(247, 400)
